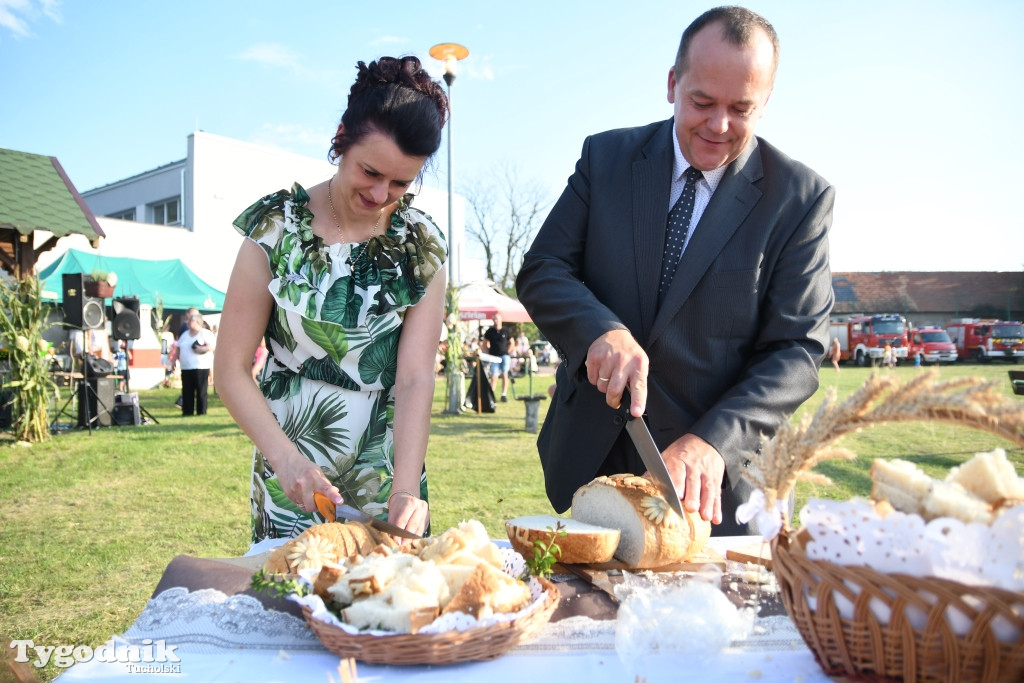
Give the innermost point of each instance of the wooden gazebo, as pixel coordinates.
(36, 194)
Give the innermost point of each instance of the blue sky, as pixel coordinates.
(911, 109)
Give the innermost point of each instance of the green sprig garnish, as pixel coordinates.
(545, 555)
(277, 586)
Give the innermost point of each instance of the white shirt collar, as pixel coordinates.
(680, 164)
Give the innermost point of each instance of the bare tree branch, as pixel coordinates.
(506, 213)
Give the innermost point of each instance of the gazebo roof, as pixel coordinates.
(36, 194)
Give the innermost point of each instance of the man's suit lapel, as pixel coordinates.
(651, 179)
(729, 206)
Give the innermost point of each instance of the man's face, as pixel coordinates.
(720, 97)
(497, 321)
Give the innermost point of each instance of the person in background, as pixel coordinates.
(684, 274)
(345, 280)
(836, 353)
(195, 354)
(497, 340)
(259, 360)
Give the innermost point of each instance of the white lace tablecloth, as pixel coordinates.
(233, 638)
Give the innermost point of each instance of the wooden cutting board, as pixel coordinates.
(708, 558)
(757, 553)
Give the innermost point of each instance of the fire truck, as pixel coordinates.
(985, 340)
(931, 345)
(862, 339)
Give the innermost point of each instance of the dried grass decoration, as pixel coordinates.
(859, 622)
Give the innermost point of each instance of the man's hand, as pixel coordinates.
(616, 362)
(697, 470)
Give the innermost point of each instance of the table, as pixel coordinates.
(224, 633)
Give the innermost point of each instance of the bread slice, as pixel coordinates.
(652, 534)
(990, 476)
(488, 591)
(582, 543)
(901, 483)
(910, 490)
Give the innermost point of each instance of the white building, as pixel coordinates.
(199, 196)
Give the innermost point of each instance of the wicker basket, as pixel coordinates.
(866, 648)
(482, 643)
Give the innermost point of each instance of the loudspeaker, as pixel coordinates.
(126, 323)
(100, 398)
(126, 410)
(80, 311)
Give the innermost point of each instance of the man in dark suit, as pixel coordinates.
(717, 347)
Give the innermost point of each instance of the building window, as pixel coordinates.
(128, 215)
(166, 213)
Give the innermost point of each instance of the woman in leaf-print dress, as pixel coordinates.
(346, 282)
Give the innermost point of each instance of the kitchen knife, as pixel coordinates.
(356, 515)
(331, 512)
(651, 456)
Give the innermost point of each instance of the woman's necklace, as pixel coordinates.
(334, 216)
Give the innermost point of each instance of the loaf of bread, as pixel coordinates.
(652, 534)
(325, 543)
(582, 543)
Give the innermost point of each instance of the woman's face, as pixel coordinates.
(372, 174)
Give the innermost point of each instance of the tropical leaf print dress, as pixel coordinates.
(333, 342)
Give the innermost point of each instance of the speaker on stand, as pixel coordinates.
(81, 312)
(86, 313)
(127, 327)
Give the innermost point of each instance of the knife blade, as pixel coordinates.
(651, 455)
(356, 515)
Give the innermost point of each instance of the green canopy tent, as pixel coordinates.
(168, 282)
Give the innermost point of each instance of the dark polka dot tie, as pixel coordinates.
(677, 229)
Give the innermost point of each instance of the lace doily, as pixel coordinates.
(852, 533)
(209, 621)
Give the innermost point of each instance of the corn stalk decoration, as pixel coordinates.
(22, 322)
(453, 354)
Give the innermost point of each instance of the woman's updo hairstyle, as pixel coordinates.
(398, 98)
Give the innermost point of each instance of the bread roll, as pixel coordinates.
(652, 534)
(582, 543)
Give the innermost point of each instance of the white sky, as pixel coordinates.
(911, 109)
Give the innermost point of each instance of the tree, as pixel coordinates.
(505, 214)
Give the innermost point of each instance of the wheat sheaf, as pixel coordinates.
(795, 450)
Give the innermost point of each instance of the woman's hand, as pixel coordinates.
(409, 512)
(300, 478)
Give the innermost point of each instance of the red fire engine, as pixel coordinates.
(931, 345)
(863, 338)
(985, 340)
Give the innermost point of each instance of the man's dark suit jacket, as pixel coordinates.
(736, 344)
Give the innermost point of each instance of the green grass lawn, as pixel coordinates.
(88, 522)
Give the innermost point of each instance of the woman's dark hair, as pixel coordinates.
(398, 98)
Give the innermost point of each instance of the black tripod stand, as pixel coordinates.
(84, 390)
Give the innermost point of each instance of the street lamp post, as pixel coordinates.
(450, 53)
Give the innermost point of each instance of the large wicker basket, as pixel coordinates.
(488, 642)
(866, 648)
